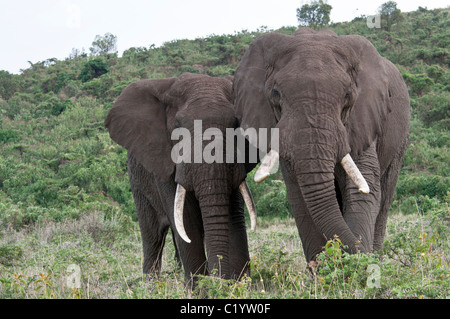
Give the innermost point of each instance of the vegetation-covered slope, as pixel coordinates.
(57, 160)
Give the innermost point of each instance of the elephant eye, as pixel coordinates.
(348, 95)
(276, 96)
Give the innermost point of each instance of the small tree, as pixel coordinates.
(315, 15)
(389, 14)
(104, 44)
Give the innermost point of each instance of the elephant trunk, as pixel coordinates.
(215, 209)
(320, 143)
(318, 191)
(210, 183)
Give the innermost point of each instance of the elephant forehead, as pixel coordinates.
(211, 113)
(318, 51)
(202, 83)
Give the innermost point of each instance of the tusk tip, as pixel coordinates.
(364, 190)
(186, 239)
(260, 177)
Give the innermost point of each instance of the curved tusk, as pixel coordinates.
(352, 170)
(268, 164)
(178, 212)
(248, 199)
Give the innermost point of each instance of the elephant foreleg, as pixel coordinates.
(388, 183)
(154, 229)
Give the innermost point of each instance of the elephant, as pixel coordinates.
(342, 113)
(205, 197)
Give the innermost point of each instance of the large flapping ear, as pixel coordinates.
(138, 122)
(253, 109)
(372, 94)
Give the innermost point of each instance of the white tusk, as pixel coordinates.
(354, 173)
(178, 212)
(265, 169)
(248, 199)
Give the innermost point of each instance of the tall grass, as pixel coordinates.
(34, 263)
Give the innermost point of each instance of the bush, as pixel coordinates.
(10, 254)
(418, 84)
(51, 106)
(99, 87)
(19, 106)
(93, 69)
(435, 72)
(9, 84)
(7, 136)
(60, 107)
(270, 197)
(340, 272)
(411, 205)
(433, 186)
(411, 240)
(433, 108)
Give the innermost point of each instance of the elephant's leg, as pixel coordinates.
(313, 241)
(153, 227)
(238, 250)
(360, 210)
(388, 184)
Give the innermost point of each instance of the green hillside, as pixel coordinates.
(57, 161)
(65, 196)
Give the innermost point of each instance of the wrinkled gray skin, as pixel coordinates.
(329, 95)
(142, 120)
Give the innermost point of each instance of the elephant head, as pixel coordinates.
(328, 96)
(143, 120)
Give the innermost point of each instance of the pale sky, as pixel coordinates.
(36, 30)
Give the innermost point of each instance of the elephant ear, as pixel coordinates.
(138, 122)
(371, 104)
(253, 109)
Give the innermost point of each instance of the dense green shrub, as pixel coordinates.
(93, 69)
(433, 108)
(433, 186)
(99, 87)
(7, 136)
(270, 197)
(9, 254)
(9, 84)
(418, 83)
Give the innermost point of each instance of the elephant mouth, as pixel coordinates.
(180, 196)
(271, 160)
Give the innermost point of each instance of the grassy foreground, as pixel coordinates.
(43, 262)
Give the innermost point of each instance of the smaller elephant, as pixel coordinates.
(206, 198)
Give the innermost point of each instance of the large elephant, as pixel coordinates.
(201, 202)
(333, 99)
